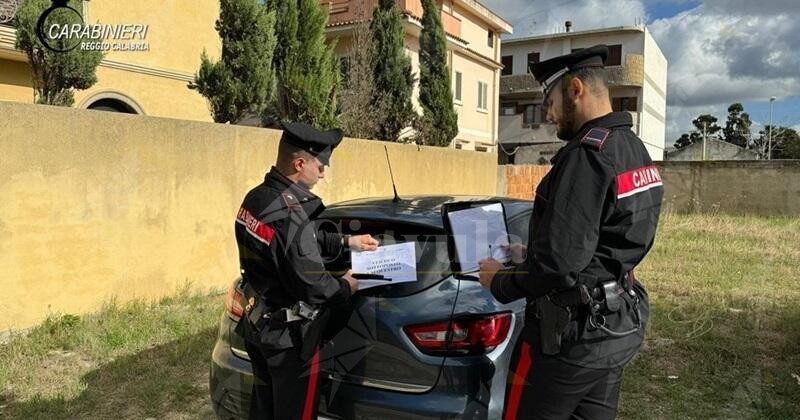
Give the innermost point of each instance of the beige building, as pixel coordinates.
(473, 44)
(151, 82)
(637, 77)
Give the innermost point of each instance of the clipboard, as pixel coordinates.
(469, 225)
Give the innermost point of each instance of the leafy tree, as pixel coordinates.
(439, 122)
(687, 139)
(241, 83)
(307, 71)
(56, 75)
(785, 143)
(392, 70)
(737, 128)
(705, 122)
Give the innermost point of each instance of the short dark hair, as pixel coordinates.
(288, 152)
(593, 77)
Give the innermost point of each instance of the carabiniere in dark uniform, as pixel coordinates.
(594, 219)
(286, 283)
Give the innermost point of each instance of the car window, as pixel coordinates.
(519, 217)
(433, 262)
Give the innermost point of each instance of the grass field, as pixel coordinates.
(724, 339)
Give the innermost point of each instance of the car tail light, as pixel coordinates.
(232, 305)
(467, 336)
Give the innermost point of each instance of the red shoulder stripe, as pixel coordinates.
(260, 231)
(638, 180)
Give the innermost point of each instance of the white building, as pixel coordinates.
(637, 79)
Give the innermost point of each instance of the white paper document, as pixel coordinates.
(397, 263)
(479, 232)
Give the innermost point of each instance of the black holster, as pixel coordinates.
(553, 320)
(309, 333)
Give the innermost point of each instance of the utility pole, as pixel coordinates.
(705, 139)
(769, 150)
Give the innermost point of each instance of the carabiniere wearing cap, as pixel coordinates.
(290, 300)
(594, 219)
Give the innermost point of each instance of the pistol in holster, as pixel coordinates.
(553, 320)
(254, 307)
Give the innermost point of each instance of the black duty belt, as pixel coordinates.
(606, 298)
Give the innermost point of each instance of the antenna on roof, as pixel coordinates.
(391, 175)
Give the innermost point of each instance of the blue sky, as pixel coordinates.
(719, 51)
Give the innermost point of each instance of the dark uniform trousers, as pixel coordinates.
(594, 219)
(284, 387)
(544, 387)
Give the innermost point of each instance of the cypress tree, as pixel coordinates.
(439, 122)
(241, 83)
(307, 72)
(393, 77)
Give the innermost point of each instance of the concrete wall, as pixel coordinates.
(95, 204)
(765, 188)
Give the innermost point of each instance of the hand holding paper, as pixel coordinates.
(395, 263)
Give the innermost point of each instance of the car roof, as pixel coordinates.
(423, 210)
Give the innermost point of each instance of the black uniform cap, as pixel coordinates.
(308, 138)
(549, 72)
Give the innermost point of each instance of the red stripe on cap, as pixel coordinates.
(261, 231)
(518, 381)
(311, 391)
(638, 180)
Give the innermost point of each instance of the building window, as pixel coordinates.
(457, 87)
(508, 65)
(508, 109)
(614, 55)
(483, 97)
(490, 39)
(625, 104)
(533, 58)
(529, 117)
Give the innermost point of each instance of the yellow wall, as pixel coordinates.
(15, 81)
(154, 80)
(95, 205)
(156, 96)
(178, 30)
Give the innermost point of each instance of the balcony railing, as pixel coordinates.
(343, 12)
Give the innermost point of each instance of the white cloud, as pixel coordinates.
(546, 16)
(723, 52)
